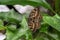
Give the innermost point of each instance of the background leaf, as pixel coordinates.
(11, 16)
(53, 21)
(18, 33)
(57, 6)
(2, 25)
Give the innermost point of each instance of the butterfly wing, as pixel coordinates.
(34, 19)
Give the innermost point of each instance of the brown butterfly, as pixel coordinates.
(34, 19)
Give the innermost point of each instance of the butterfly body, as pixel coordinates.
(34, 19)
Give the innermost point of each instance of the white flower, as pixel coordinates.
(23, 9)
(2, 36)
(4, 8)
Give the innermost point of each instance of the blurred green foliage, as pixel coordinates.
(50, 25)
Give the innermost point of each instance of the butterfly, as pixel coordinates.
(34, 19)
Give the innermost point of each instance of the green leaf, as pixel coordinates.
(57, 6)
(46, 34)
(44, 28)
(1, 22)
(53, 21)
(23, 30)
(11, 16)
(29, 35)
(12, 27)
(9, 34)
(42, 3)
(1, 25)
(53, 36)
(5, 0)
